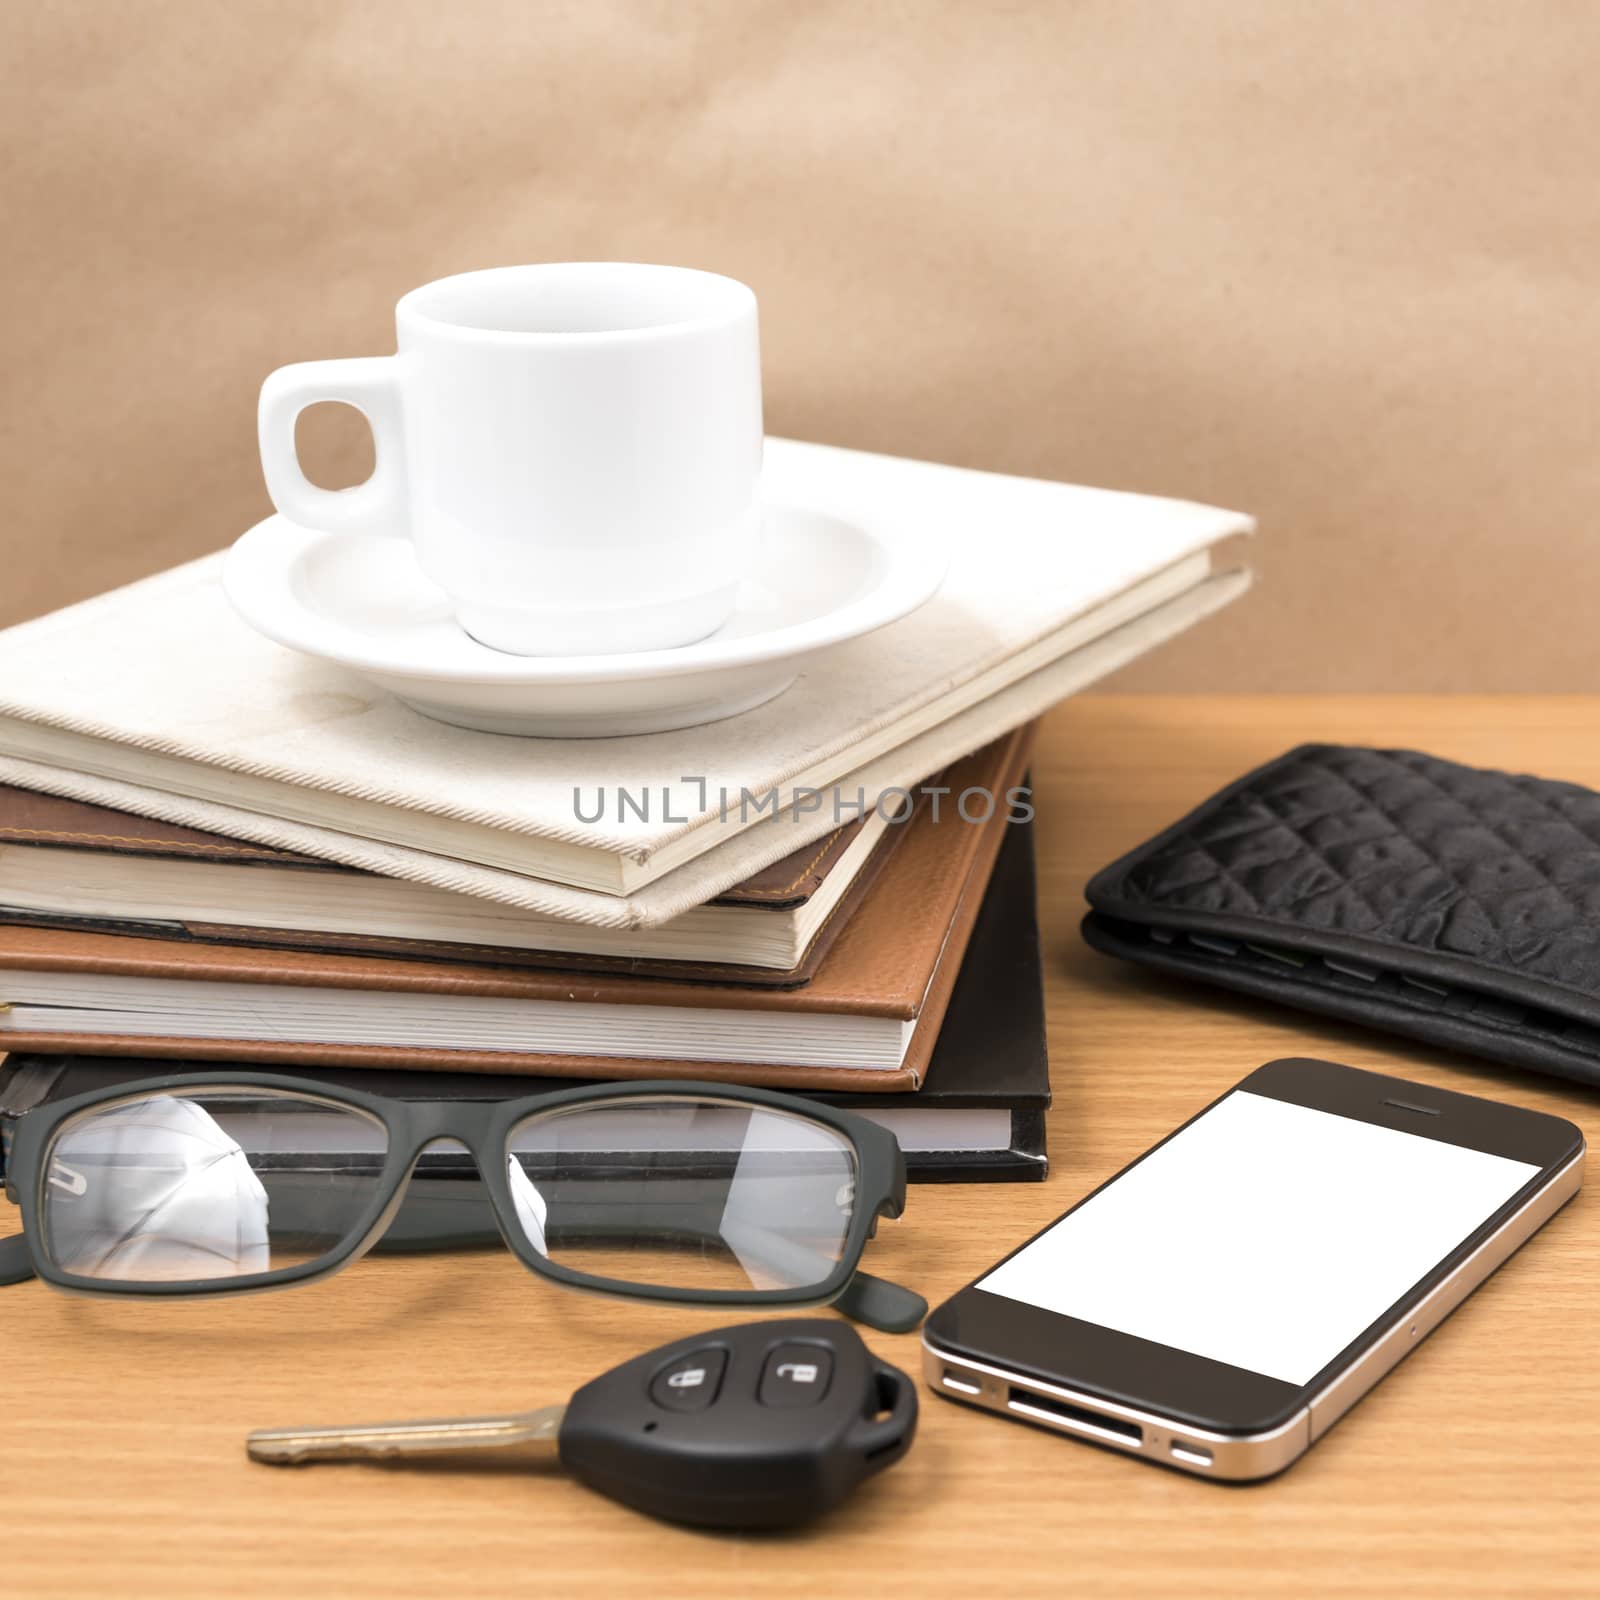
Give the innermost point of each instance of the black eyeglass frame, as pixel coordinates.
(485, 1129)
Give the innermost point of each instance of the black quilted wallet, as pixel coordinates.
(1443, 902)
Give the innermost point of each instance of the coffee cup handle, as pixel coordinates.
(372, 385)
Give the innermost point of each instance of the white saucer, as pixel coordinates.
(362, 602)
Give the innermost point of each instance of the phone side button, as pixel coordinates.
(1442, 1299)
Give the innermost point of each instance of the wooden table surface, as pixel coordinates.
(1474, 1470)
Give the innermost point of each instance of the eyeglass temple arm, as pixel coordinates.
(877, 1303)
(16, 1260)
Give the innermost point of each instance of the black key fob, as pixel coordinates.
(763, 1425)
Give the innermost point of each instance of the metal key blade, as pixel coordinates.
(287, 1447)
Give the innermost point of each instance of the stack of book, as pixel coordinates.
(213, 850)
(890, 957)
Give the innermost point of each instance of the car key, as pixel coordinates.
(762, 1425)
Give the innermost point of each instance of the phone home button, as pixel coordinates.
(796, 1375)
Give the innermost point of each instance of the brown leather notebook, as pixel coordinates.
(868, 1020)
(68, 864)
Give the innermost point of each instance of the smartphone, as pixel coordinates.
(1219, 1304)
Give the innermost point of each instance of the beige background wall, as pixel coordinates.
(1336, 264)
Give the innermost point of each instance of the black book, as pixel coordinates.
(979, 1118)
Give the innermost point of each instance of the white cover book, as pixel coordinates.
(157, 699)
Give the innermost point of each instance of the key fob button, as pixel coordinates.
(796, 1375)
(691, 1382)
(789, 1423)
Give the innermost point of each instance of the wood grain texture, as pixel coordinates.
(1473, 1471)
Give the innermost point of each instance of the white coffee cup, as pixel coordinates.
(574, 450)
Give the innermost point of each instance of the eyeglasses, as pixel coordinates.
(211, 1183)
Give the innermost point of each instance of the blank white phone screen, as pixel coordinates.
(1266, 1235)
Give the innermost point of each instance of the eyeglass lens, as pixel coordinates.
(207, 1184)
(674, 1192)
